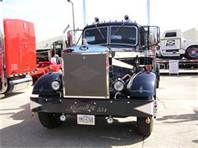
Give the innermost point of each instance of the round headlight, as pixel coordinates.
(55, 85)
(118, 85)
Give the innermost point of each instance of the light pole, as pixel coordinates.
(148, 12)
(84, 13)
(72, 17)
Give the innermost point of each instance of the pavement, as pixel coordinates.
(176, 125)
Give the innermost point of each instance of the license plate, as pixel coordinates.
(86, 119)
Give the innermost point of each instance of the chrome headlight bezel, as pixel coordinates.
(118, 85)
(55, 85)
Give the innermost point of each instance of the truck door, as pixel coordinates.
(171, 41)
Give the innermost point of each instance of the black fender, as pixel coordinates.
(142, 85)
(43, 85)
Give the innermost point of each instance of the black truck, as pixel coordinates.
(113, 73)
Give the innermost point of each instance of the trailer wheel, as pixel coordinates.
(144, 126)
(49, 120)
(192, 52)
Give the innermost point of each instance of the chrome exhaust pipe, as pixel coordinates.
(19, 84)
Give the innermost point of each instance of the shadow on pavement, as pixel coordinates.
(195, 141)
(28, 132)
(180, 118)
(10, 95)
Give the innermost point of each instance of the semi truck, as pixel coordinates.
(48, 60)
(113, 73)
(17, 55)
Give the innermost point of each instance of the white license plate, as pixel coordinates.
(86, 119)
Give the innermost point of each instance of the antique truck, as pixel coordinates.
(17, 55)
(112, 74)
(175, 45)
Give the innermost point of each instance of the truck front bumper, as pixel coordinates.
(172, 52)
(119, 108)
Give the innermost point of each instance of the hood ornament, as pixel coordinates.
(84, 45)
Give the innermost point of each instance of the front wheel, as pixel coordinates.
(49, 120)
(144, 126)
(192, 52)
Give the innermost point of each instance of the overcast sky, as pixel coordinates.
(52, 16)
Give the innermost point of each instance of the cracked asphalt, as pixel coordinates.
(176, 125)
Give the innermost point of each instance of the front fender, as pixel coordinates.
(142, 85)
(43, 85)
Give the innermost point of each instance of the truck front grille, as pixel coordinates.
(86, 76)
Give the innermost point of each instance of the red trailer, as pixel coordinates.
(17, 55)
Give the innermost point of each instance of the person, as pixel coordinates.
(55, 59)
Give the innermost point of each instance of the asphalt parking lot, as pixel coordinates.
(176, 125)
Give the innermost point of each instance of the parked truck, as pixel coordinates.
(48, 60)
(174, 45)
(17, 55)
(112, 74)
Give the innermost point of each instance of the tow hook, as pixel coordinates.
(148, 120)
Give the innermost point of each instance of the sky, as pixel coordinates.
(50, 17)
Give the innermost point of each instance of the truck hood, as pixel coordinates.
(89, 49)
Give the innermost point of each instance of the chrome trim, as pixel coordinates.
(91, 97)
(121, 64)
(34, 105)
(147, 108)
(34, 95)
(123, 54)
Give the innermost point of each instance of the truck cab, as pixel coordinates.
(111, 74)
(17, 41)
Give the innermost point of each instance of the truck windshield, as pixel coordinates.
(96, 35)
(112, 35)
(126, 35)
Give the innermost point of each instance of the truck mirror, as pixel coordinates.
(154, 35)
(69, 41)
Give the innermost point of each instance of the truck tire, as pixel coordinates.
(157, 71)
(192, 52)
(157, 83)
(4, 87)
(49, 120)
(144, 128)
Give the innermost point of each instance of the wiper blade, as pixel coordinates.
(101, 34)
